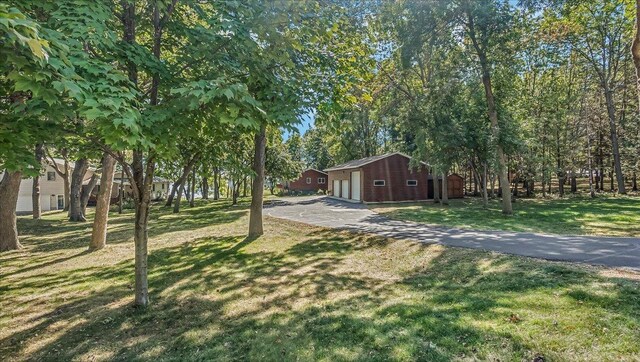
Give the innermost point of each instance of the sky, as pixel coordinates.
(306, 122)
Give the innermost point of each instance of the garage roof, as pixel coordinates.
(365, 161)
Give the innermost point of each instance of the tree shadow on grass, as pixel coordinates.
(47, 240)
(228, 298)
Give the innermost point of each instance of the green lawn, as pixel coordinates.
(300, 293)
(612, 216)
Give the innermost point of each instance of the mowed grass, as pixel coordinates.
(610, 216)
(300, 293)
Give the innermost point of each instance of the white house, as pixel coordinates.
(159, 189)
(51, 189)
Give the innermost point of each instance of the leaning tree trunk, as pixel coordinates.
(86, 193)
(35, 191)
(172, 194)
(176, 204)
(255, 217)
(9, 189)
(183, 181)
(611, 112)
(492, 111)
(75, 207)
(103, 201)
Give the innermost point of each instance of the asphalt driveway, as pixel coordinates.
(327, 212)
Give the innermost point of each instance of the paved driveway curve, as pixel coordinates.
(327, 212)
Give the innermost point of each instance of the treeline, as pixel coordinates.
(513, 96)
(192, 91)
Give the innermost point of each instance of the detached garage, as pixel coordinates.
(384, 178)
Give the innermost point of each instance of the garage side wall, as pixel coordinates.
(394, 170)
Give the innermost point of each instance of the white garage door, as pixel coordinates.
(336, 188)
(355, 185)
(345, 189)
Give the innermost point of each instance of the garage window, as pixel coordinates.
(321, 180)
(308, 180)
(378, 182)
(412, 182)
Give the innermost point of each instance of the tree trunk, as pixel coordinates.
(592, 192)
(9, 189)
(507, 208)
(120, 193)
(35, 191)
(235, 192)
(176, 204)
(483, 184)
(187, 188)
(244, 187)
(192, 200)
(103, 201)
(216, 184)
(75, 207)
(611, 112)
(205, 188)
(86, 193)
(183, 180)
(255, 217)
(635, 49)
(141, 237)
(436, 186)
(634, 182)
(445, 190)
(172, 194)
(611, 187)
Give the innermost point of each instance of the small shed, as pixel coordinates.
(311, 180)
(455, 186)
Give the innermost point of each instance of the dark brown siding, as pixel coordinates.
(395, 171)
(455, 185)
(302, 185)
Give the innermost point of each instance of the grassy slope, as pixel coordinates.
(572, 216)
(300, 292)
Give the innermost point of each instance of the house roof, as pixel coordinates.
(365, 161)
(313, 169)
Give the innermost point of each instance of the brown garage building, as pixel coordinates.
(385, 178)
(310, 180)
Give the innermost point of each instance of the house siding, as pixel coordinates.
(47, 190)
(395, 171)
(301, 183)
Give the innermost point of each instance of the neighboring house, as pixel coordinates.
(51, 189)
(310, 180)
(385, 178)
(159, 189)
